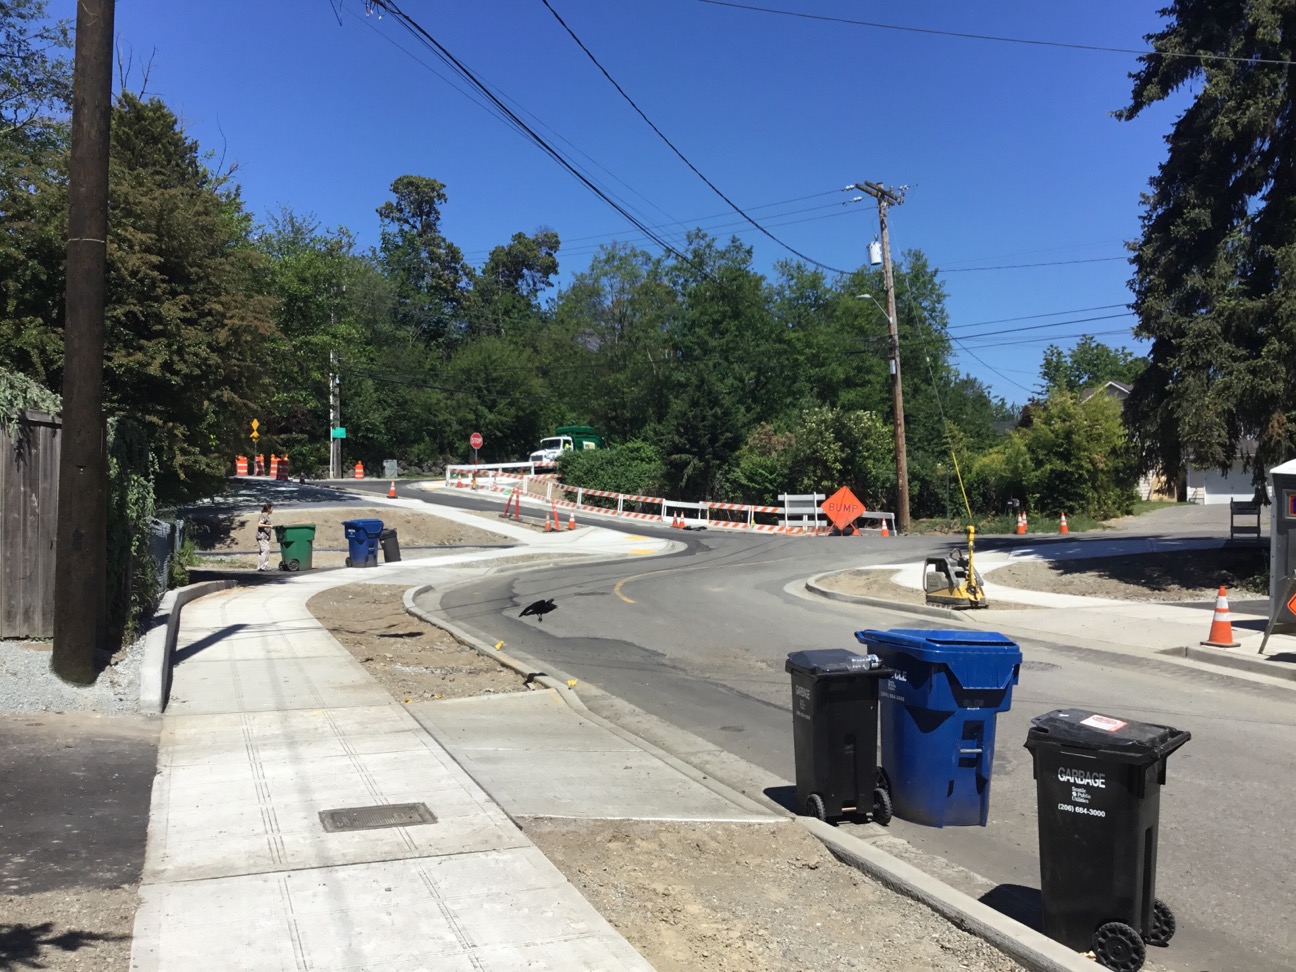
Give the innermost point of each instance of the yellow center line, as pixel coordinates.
(680, 570)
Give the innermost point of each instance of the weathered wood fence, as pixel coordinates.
(29, 467)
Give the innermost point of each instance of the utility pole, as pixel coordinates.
(886, 197)
(81, 544)
(335, 409)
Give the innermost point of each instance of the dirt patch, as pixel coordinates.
(86, 929)
(878, 583)
(1193, 575)
(410, 658)
(749, 898)
(237, 532)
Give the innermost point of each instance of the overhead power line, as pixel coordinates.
(1027, 266)
(511, 117)
(671, 145)
(993, 37)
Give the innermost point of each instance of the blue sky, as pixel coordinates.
(1009, 149)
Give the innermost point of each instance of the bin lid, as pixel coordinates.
(978, 659)
(827, 662)
(368, 526)
(1127, 741)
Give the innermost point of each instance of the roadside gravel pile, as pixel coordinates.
(28, 685)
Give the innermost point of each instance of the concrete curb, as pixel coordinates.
(1024, 945)
(528, 666)
(945, 614)
(160, 640)
(1224, 659)
(1221, 661)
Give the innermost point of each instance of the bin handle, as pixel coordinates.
(971, 752)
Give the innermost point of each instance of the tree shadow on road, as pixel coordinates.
(23, 946)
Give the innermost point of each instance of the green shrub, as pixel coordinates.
(635, 467)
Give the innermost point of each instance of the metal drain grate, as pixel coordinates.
(373, 818)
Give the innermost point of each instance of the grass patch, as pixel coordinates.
(1147, 506)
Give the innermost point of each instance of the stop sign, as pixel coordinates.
(475, 440)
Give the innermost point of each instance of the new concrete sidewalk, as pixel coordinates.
(271, 725)
(1129, 627)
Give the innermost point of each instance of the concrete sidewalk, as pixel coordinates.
(1129, 627)
(271, 726)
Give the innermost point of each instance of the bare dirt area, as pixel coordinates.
(410, 658)
(749, 898)
(230, 534)
(1193, 575)
(73, 930)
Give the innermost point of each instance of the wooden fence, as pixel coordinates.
(29, 467)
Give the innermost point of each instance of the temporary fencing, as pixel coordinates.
(655, 509)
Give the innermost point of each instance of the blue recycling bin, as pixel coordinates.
(937, 716)
(362, 542)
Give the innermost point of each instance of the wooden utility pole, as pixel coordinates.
(335, 417)
(886, 197)
(81, 545)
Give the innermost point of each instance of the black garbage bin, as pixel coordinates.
(1098, 782)
(835, 732)
(390, 545)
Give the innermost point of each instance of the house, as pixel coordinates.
(1149, 487)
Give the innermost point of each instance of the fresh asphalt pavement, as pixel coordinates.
(699, 639)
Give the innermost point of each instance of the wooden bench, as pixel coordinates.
(1244, 518)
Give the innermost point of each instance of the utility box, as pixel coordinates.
(390, 469)
(1282, 545)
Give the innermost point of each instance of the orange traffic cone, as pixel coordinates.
(571, 520)
(1221, 629)
(885, 531)
(1062, 526)
(1021, 524)
(391, 490)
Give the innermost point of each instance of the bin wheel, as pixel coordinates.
(282, 565)
(1118, 947)
(348, 562)
(883, 781)
(293, 566)
(815, 807)
(881, 806)
(1163, 925)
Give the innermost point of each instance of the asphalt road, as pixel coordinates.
(699, 639)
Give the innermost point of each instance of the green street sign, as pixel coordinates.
(338, 433)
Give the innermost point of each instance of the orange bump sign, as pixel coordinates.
(842, 508)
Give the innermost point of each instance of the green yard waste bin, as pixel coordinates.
(296, 544)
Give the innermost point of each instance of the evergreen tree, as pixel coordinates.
(1213, 269)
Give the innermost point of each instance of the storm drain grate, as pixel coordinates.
(373, 818)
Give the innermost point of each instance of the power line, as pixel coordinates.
(443, 54)
(995, 38)
(1041, 327)
(682, 157)
(1032, 317)
(1026, 266)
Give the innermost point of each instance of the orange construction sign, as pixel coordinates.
(842, 508)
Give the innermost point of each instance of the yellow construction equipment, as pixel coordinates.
(953, 581)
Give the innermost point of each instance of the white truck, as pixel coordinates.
(566, 438)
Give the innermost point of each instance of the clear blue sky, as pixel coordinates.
(1009, 149)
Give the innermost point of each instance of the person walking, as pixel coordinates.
(263, 537)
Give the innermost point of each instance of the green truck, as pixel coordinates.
(564, 438)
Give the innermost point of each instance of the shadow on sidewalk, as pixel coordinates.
(188, 651)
